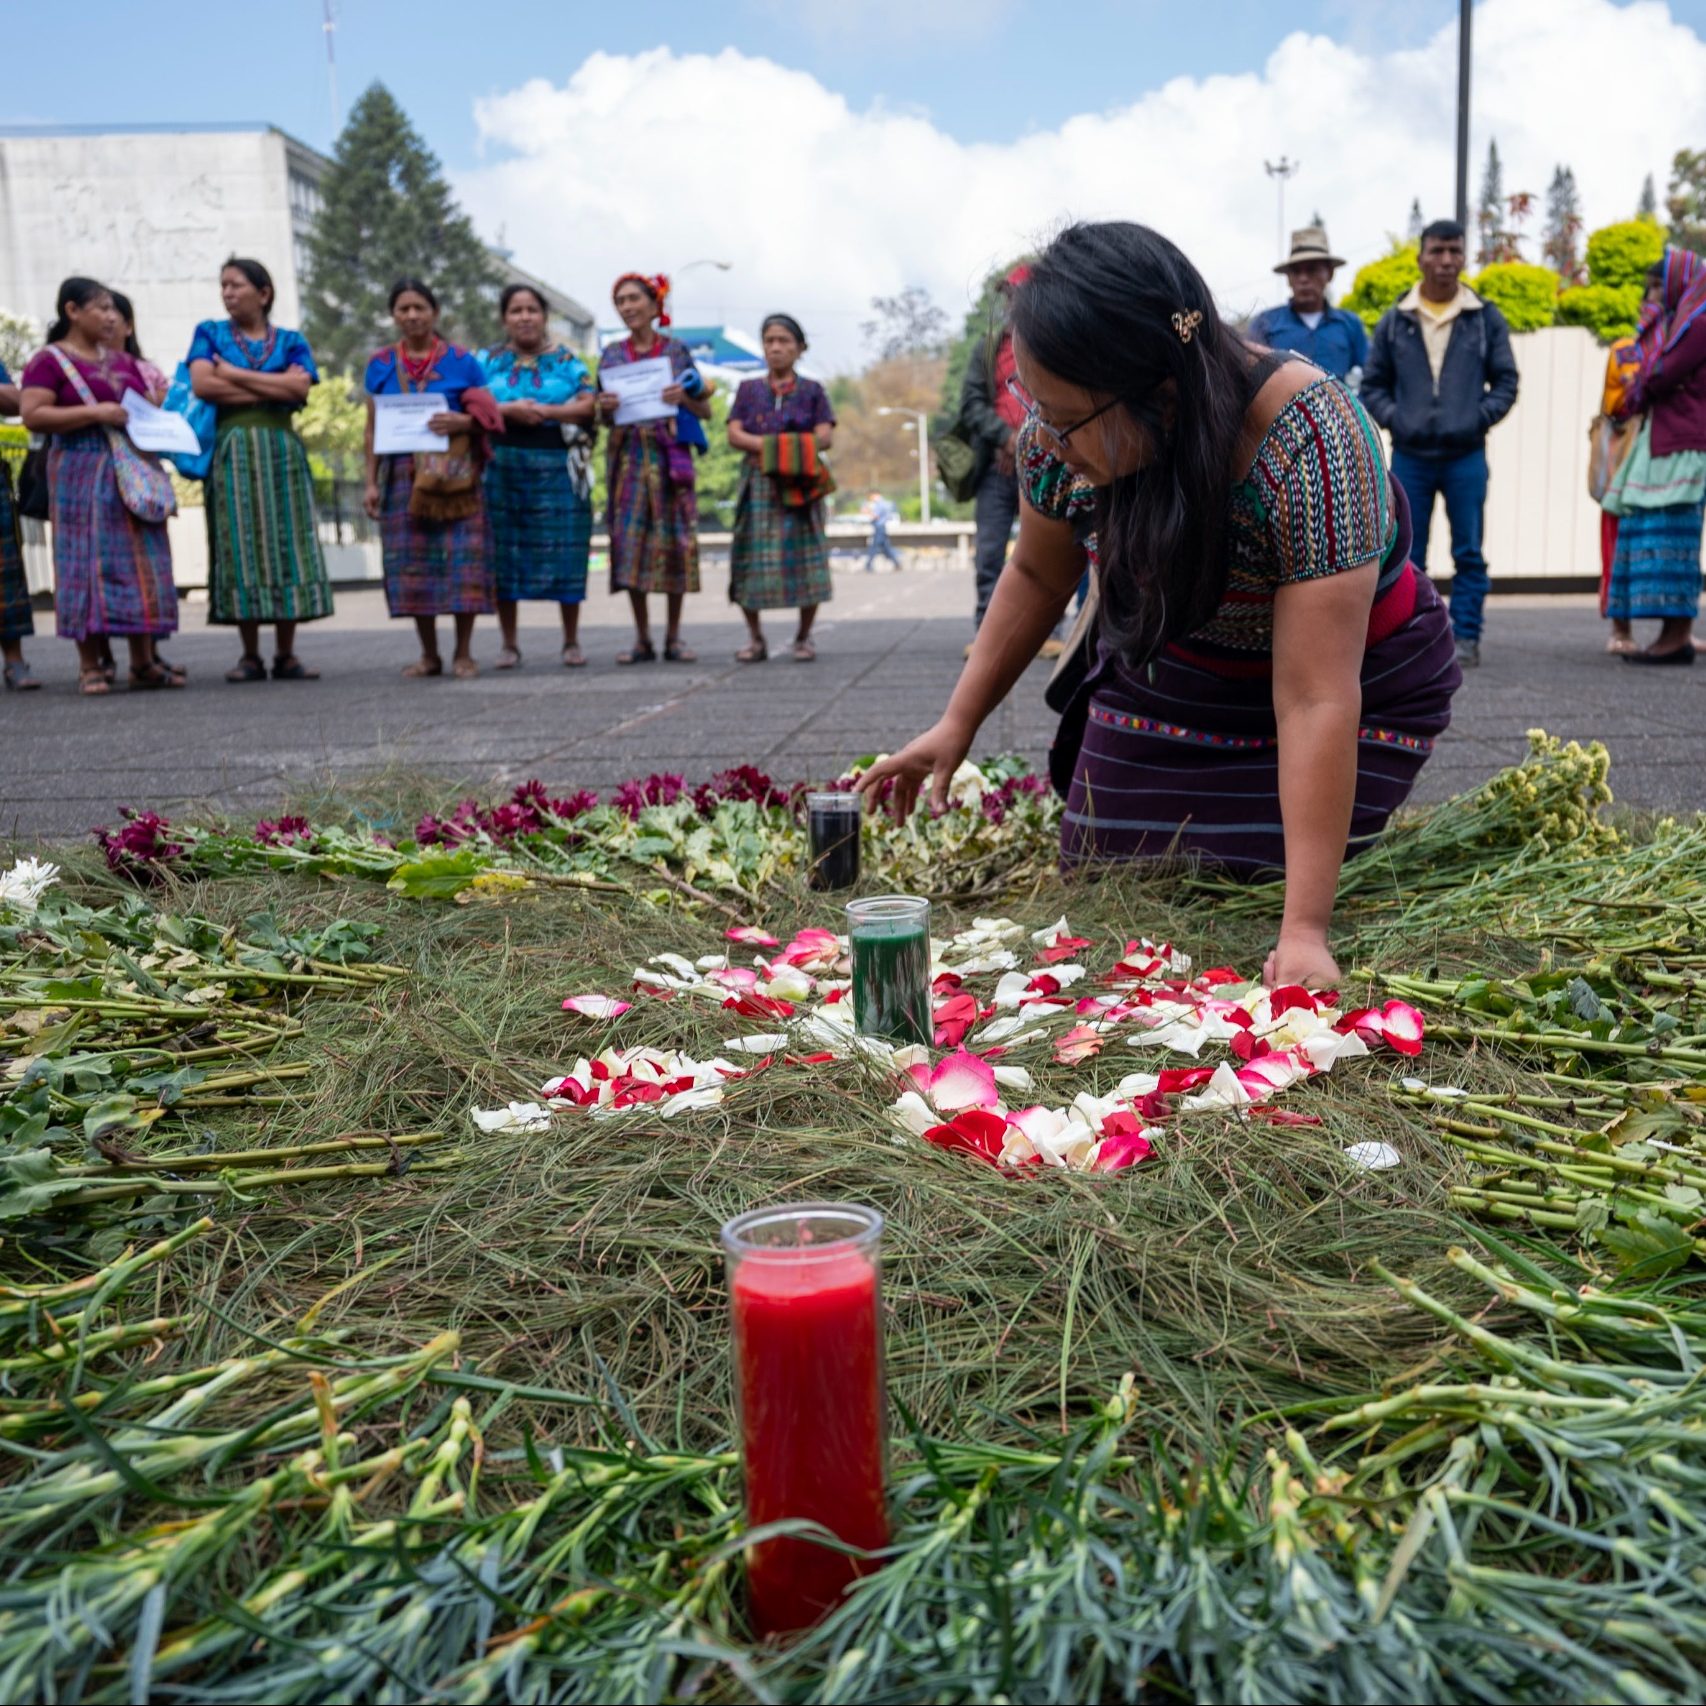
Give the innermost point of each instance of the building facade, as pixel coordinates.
(155, 210)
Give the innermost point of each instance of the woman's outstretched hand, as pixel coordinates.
(934, 757)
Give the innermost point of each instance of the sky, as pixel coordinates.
(833, 150)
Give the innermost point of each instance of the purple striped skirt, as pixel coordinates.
(112, 574)
(1186, 764)
(432, 568)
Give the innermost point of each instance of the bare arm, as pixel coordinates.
(1320, 634)
(214, 387)
(1034, 589)
(741, 439)
(578, 411)
(824, 433)
(9, 404)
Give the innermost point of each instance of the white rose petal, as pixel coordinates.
(1372, 1155)
(518, 1116)
(766, 1042)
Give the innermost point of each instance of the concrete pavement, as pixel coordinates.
(889, 649)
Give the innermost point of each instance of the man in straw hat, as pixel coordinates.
(1330, 337)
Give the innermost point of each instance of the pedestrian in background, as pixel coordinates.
(1308, 325)
(432, 518)
(1440, 377)
(652, 510)
(112, 571)
(16, 621)
(879, 512)
(264, 558)
(989, 418)
(1611, 437)
(1659, 494)
(780, 556)
(538, 491)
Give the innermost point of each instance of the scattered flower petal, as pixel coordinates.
(597, 1006)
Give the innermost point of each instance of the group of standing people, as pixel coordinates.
(1651, 475)
(108, 502)
(501, 515)
(504, 513)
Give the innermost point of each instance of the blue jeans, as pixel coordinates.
(1462, 481)
(880, 547)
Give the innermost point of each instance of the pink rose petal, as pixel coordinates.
(1125, 1150)
(1402, 1025)
(963, 1081)
(751, 934)
(596, 1006)
(1079, 1044)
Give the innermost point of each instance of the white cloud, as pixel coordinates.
(653, 159)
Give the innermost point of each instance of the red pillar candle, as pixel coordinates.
(803, 1281)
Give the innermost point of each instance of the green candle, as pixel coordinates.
(891, 967)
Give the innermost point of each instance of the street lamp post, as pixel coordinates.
(923, 423)
(1280, 170)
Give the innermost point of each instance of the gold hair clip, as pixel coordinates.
(1186, 324)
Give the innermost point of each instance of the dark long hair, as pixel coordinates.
(79, 292)
(127, 313)
(1117, 309)
(509, 293)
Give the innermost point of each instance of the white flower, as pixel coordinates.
(22, 887)
(966, 785)
(1372, 1155)
(518, 1116)
(766, 1043)
(912, 1113)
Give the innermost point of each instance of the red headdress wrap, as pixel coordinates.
(655, 285)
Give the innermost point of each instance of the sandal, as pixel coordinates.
(804, 652)
(249, 668)
(19, 679)
(756, 652)
(422, 668)
(642, 651)
(181, 671)
(509, 658)
(573, 656)
(464, 669)
(153, 677)
(93, 683)
(293, 668)
(676, 651)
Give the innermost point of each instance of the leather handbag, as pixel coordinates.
(35, 498)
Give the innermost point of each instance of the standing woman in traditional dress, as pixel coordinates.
(1659, 492)
(538, 489)
(652, 513)
(780, 556)
(1269, 671)
(432, 517)
(266, 562)
(15, 618)
(112, 573)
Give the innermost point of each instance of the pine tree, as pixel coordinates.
(1490, 210)
(389, 214)
(1648, 206)
(1561, 241)
(1417, 220)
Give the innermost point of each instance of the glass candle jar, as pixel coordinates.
(832, 821)
(890, 934)
(804, 1287)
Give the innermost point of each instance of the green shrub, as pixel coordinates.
(1526, 295)
(1378, 285)
(1609, 311)
(1619, 255)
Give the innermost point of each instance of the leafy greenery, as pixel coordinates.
(1526, 295)
(388, 214)
(1609, 311)
(1381, 283)
(1619, 255)
(1685, 199)
(333, 422)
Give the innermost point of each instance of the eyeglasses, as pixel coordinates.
(1058, 436)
